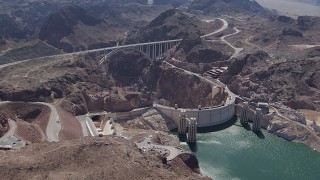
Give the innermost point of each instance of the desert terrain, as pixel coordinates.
(58, 78)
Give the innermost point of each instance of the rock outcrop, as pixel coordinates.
(172, 24)
(128, 66)
(257, 77)
(308, 23)
(4, 125)
(187, 161)
(62, 27)
(187, 91)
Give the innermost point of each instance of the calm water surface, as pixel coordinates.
(291, 7)
(237, 153)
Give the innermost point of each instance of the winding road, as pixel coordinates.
(12, 129)
(54, 123)
(224, 27)
(236, 50)
(53, 127)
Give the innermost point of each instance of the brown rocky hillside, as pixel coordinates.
(261, 78)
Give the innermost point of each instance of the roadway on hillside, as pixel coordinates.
(54, 123)
(8, 140)
(12, 129)
(53, 127)
(222, 28)
(236, 50)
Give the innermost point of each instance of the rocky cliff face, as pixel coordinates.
(4, 125)
(308, 23)
(194, 50)
(291, 130)
(187, 161)
(258, 77)
(128, 66)
(172, 24)
(186, 90)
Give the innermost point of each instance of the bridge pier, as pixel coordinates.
(154, 52)
(256, 120)
(244, 113)
(182, 126)
(159, 49)
(192, 130)
(148, 50)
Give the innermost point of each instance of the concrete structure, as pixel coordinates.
(192, 130)
(214, 91)
(169, 151)
(206, 116)
(264, 107)
(8, 140)
(150, 49)
(244, 113)
(256, 120)
(104, 126)
(150, 2)
(182, 126)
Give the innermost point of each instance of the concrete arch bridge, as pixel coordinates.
(150, 49)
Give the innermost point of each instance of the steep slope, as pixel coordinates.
(22, 19)
(4, 125)
(32, 50)
(74, 28)
(172, 24)
(91, 158)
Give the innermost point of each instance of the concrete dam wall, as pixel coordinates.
(205, 117)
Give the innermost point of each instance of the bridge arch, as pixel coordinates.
(114, 51)
(151, 49)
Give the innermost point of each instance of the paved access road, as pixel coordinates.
(172, 151)
(8, 140)
(54, 124)
(224, 27)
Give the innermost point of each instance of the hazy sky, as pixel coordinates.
(291, 7)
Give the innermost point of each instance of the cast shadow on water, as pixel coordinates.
(209, 129)
(219, 127)
(193, 146)
(259, 134)
(245, 126)
(248, 128)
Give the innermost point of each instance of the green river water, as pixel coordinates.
(237, 153)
